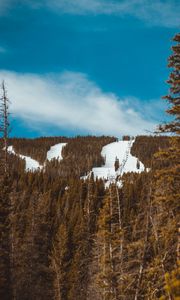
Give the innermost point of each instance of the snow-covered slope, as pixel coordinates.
(118, 150)
(31, 164)
(55, 151)
(121, 151)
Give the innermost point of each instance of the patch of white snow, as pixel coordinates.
(127, 163)
(31, 164)
(56, 151)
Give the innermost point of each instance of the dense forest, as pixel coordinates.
(67, 238)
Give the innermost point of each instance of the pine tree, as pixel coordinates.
(116, 164)
(4, 123)
(60, 262)
(109, 247)
(166, 184)
(174, 96)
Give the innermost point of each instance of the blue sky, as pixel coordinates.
(86, 66)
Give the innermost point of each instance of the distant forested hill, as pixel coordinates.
(69, 238)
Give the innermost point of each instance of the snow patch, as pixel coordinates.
(31, 164)
(127, 163)
(55, 151)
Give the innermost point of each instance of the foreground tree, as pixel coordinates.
(173, 97)
(167, 183)
(5, 232)
(4, 123)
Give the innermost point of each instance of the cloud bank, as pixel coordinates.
(5, 5)
(156, 13)
(71, 101)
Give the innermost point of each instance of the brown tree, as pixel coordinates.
(173, 97)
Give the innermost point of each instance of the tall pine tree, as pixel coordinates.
(167, 179)
(173, 97)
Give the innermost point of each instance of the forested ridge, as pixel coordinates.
(68, 238)
(58, 224)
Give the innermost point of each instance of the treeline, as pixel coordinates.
(82, 154)
(35, 148)
(146, 146)
(87, 147)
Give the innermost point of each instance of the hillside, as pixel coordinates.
(75, 237)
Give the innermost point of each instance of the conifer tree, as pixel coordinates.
(116, 164)
(4, 123)
(173, 97)
(166, 179)
(110, 247)
(59, 262)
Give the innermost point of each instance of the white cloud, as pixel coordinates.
(158, 12)
(70, 100)
(5, 5)
(154, 12)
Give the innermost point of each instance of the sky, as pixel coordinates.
(86, 66)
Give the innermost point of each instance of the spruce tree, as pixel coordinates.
(166, 183)
(173, 97)
(116, 164)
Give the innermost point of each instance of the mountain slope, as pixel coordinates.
(118, 151)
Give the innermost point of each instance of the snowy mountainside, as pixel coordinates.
(55, 151)
(32, 164)
(127, 163)
(121, 151)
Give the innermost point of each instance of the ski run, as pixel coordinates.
(127, 163)
(32, 165)
(120, 150)
(55, 152)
